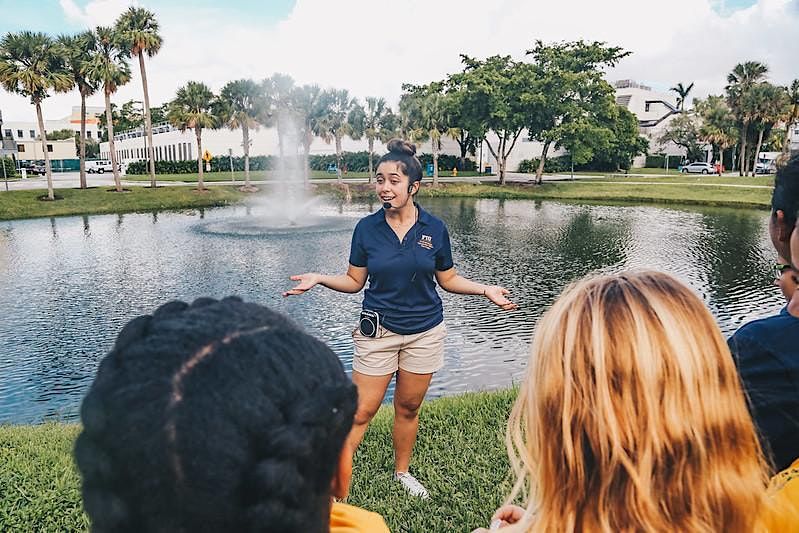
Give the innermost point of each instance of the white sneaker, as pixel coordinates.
(412, 485)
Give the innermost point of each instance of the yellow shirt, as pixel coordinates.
(782, 514)
(349, 519)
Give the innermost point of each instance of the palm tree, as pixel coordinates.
(240, 105)
(335, 121)
(682, 94)
(307, 106)
(426, 116)
(791, 118)
(109, 67)
(77, 52)
(742, 78)
(767, 104)
(138, 33)
(279, 89)
(30, 65)
(718, 123)
(378, 124)
(194, 107)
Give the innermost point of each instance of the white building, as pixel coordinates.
(29, 130)
(58, 151)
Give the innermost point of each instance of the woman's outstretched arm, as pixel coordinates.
(352, 281)
(451, 281)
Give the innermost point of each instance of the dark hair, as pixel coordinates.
(404, 153)
(786, 190)
(214, 416)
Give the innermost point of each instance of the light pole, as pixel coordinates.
(5, 176)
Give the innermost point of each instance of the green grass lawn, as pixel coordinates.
(26, 204)
(259, 175)
(460, 457)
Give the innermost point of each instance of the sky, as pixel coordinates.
(372, 47)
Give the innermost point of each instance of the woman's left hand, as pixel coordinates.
(497, 294)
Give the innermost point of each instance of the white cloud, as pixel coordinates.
(373, 47)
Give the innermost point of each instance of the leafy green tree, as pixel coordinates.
(682, 94)
(792, 118)
(614, 144)
(308, 107)
(495, 95)
(240, 105)
(571, 94)
(138, 35)
(60, 135)
(31, 66)
(194, 107)
(336, 121)
(683, 131)
(109, 68)
(739, 82)
(379, 124)
(77, 51)
(718, 123)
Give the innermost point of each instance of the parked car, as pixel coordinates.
(699, 168)
(765, 167)
(99, 166)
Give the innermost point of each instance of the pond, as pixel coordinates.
(69, 284)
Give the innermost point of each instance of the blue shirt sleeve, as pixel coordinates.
(357, 251)
(444, 253)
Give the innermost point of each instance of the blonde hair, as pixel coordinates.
(632, 417)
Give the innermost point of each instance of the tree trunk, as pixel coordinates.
(147, 121)
(83, 183)
(47, 168)
(279, 137)
(786, 143)
(721, 159)
(371, 166)
(307, 150)
(539, 179)
(199, 132)
(757, 151)
(111, 148)
(245, 132)
(463, 147)
(501, 160)
(742, 165)
(338, 157)
(436, 147)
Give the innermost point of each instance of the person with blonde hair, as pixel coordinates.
(632, 418)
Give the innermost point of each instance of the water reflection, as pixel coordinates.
(68, 285)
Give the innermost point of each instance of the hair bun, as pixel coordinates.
(399, 146)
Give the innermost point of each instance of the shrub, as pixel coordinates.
(552, 164)
(8, 163)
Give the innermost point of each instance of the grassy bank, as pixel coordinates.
(259, 175)
(460, 457)
(26, 204)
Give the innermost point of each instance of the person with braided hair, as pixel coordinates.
(404, 251)
(218, 416)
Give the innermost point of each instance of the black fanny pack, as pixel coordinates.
(369, 324)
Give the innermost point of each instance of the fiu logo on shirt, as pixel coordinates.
(426, 242)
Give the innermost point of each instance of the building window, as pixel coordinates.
(49, 148)
(21, 148)
(33, 134)
(8, 134)
(77, 132)
(19, 134)
(190, 151)
(646, 107)
(88, 134)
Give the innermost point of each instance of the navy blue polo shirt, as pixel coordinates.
(766, 352)
(402, 286)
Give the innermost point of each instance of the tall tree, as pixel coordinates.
(109, 68)
(378, 125)
(683, 131)
(571, 93)
(138, 33)
(425, 114)
(792, 117)
(718, 123)
(739, 82)
(682, 94)
(278, 89)
(240, 105)
(77, 52)
(194, 107)
(335, 122)
(307, 107)
(766, 104)
(31, 66)
(496, 95)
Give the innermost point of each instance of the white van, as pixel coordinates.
(99, 166)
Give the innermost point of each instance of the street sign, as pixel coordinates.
(207, 156)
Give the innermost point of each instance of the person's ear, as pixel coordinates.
(340, 485)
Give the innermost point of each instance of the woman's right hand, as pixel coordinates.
(504, 516)
(307, 281)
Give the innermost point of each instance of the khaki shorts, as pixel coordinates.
(420, 353)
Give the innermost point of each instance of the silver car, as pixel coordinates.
(698, 168)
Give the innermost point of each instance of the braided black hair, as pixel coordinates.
(786, 191)
(214, 416)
